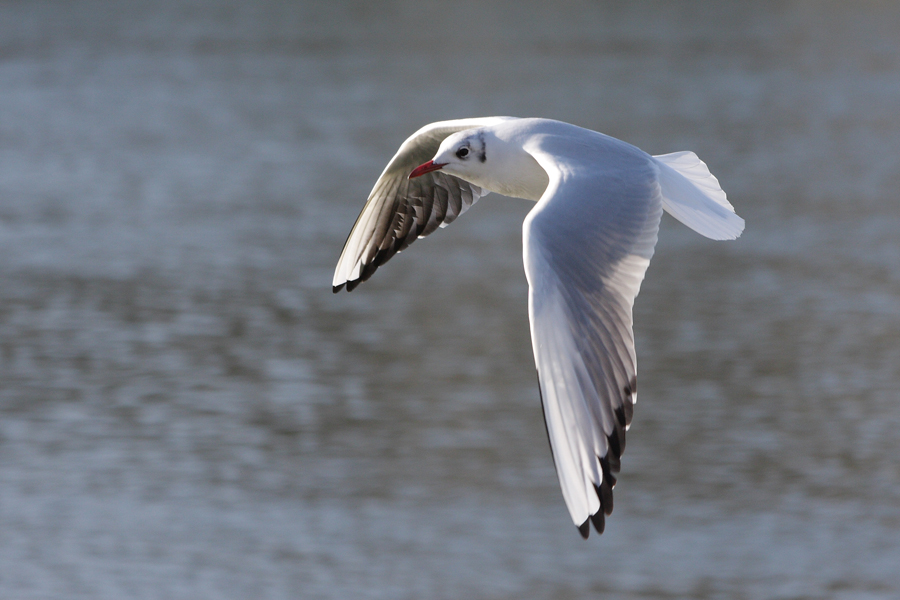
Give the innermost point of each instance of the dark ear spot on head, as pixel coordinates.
(482, 155)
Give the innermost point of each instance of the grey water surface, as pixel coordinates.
(187, 412)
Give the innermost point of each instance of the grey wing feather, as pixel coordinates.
(588, 243)
(400, 210)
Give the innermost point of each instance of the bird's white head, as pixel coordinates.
(489, 161)
(462, 154)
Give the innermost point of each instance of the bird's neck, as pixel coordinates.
(514, 172)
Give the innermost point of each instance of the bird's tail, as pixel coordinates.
(692, 195)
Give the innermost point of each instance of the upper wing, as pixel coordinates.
(587, 244)
(400, 209)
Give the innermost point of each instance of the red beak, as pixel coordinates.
(426, 168)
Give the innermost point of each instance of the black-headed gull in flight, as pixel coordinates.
(586, 243)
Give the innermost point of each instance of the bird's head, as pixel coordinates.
(497, 163)
(463, 154)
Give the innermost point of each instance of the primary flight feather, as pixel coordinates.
(586, 243)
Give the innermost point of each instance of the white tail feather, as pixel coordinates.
(692, 195)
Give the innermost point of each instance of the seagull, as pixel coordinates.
(586, 244)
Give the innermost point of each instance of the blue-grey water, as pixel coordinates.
(187, 412)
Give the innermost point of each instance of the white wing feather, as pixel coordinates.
(587, 245)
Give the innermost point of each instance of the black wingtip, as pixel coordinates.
(585, 529)
(604, 493)
(349, 285)
(605, 489)
(599, 522)
(616, 442)
(630, 390)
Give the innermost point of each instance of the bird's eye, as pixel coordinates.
(462, 152)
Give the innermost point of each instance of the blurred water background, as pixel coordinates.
(186, 411)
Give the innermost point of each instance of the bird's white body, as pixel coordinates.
(586, 244)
